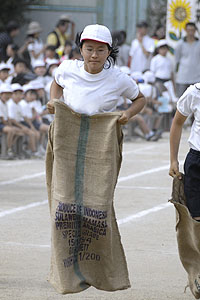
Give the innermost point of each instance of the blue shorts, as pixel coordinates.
(25, 124)
(36, 124)
(192, 182)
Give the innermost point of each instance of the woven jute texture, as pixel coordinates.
(83, 160)
(188, 237)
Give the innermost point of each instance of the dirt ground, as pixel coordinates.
(146, 222)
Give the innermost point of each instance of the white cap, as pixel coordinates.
(125, 70)
(161, 43)
(97, 33)
(4, 66)
(37, 84)
(38, 63)
(5, 88)
(52, 61)
(16, 87)
(28, 87)
(149, 77)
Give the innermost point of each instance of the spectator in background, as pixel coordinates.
(58, 36)
(75, 54)
(120, 38)
(6, 38)
(4, 72)
(67, 50)
(12, 53)
(36, 47)
(141, 49)
(50, 52)
(5, 124)
(187, 55)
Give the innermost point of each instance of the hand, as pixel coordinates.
(140, 38)
(174, 170)
(50, 107)
(124, 118)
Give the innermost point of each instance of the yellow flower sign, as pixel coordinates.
(179, 13)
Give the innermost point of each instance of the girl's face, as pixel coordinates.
(163, 50)
(94, 55)
(40, 71)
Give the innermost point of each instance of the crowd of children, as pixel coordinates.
(26, 74)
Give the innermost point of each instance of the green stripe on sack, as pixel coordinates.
(79, 185)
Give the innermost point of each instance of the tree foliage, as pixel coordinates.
(14, 10)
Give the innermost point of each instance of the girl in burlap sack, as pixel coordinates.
(83, 161)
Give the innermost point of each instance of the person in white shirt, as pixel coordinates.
(93, 86)
(141, 50)
(36, 47)
(188, 103)
(161, 65)
(5, 123)
(15, 114)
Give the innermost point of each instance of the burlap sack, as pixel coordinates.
(82, 165)
(188, 237)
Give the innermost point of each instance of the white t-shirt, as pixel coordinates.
(190, 103)
(14, 111)
(161, 66)
(139, 61)
(36, 46)
(91, 94)
(3, 110)
(26, 109)
(37, 105)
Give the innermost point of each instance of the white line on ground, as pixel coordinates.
(21, 208)
(142, 187)
(143, 213)
(26, 177)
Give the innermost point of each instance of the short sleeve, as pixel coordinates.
(184, 104)
(128, 87)
(61, 73)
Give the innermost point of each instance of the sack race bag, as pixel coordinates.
(188, 237)
(83, 160)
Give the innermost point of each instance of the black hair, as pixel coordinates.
(12, 25)
(51, 48)
(68, 43)
(142, 24)
(19, 60)
(14, 47)
(191, 24)
(111, 59)
(75, 50)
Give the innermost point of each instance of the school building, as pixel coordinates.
(116, 14)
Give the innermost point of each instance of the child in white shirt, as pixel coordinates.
(187, 104)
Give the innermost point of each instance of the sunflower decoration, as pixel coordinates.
(180, 13)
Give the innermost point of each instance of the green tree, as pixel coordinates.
(14, 10)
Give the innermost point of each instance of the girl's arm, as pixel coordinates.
(134, 109)
(56, 92)
(175, 136)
